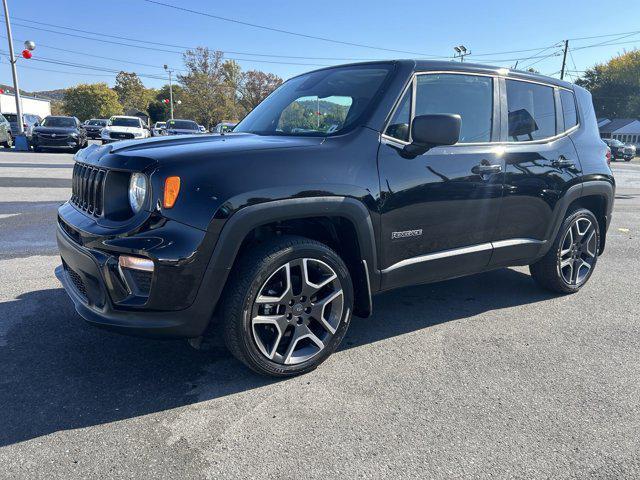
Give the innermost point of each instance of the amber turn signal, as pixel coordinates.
(171, 190)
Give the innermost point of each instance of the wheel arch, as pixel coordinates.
(343, 223)
(594, 195)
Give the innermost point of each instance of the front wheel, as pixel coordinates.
(572, 258)
(287, 306)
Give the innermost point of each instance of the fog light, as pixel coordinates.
(135, 263)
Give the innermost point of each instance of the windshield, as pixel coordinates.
(125, 122)
(182, 125)
(322, 103)
(160, 124)
(11, 117)
(59, 122)
(100, 123)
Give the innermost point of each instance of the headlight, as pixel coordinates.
(137, 191)
(74, 135)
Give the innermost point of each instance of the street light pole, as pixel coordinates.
(166, 67)
(12, 60)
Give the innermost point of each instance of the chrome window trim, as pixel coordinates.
(387, 139)
(481, 247)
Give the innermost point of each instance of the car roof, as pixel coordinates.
(442, 65)
(126, 116)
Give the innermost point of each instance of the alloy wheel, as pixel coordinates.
(297, 311)
(578, 251)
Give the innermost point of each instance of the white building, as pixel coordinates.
(627, 130)
(30, 105)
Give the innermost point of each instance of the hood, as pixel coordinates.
(56, 130)
(182, 131)
(114, 128)
(189, 148)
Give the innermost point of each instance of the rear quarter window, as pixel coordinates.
(569, 111)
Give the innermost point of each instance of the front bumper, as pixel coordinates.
(176, 305)
(54, 143)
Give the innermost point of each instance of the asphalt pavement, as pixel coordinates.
(480, 377)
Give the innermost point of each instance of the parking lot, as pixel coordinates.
(480, 376)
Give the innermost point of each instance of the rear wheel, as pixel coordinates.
(572, 258)
(287, 306)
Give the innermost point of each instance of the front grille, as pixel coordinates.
(121, 135)
(76, 280)
(54, 136)
(87, 188)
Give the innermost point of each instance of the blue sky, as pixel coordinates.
(426, 27)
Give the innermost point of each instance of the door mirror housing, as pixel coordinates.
(428, 131)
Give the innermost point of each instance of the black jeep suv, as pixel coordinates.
(343, 183)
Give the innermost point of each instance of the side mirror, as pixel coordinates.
(428, 131)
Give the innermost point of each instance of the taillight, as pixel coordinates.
(608, 156)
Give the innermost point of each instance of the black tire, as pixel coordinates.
(9, 142)
(249, 278)
(37, 149)
(547, 271)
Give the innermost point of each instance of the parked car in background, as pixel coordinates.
(202, 129)
(124, 128)
(629, 151)
(28, 122)
(286, 228)
(58, 132)
(619, 149)
(224, 127)
(94, 126)
(182, 127)
(158, 129)
(5, 133)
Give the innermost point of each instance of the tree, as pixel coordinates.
(204, 90)
(57, 108)
(131, 92)
(95, 100)
(255, 87)
(615, 86)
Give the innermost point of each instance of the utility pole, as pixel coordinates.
(12, 60)
(461, 52)
(564, 59)
(166, 67)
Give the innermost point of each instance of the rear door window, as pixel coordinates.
(532, 111)
(569, 111)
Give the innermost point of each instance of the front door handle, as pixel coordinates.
(485, 169)
(563, 162)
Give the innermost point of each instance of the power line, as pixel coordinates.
(163, 49)
(279, 30)
(183, 47)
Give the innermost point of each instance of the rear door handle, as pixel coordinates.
(562, 162)
(483, 169)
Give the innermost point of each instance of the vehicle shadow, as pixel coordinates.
(57, 373)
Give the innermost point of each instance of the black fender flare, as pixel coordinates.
(594, 187)
(248, 218)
